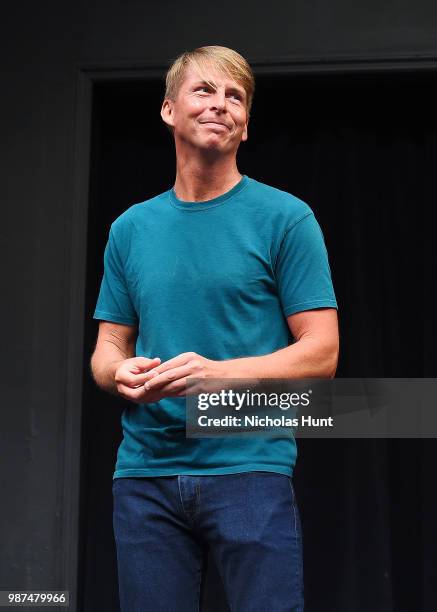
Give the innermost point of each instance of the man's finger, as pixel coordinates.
(141, 395)
(141, 363)
(173, 389)
(171, 363)
(135, 376)
(130, 379)
(133, 394)
(168, 376)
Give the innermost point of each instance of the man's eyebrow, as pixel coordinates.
(203, 82)
(238, 90)
(232, 88)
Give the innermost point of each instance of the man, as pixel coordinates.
(219, 277)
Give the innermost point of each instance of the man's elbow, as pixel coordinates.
(330, 361)
(93, 365)
(325, 359)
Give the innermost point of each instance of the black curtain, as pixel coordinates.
(361, 151)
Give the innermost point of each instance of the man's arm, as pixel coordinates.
(314, 354)
(113, 365)
(115, 343)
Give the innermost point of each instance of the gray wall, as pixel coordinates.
(48, 51)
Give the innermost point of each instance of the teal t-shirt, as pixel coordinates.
(218, 278)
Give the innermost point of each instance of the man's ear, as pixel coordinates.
(167, 112)
(245, 135)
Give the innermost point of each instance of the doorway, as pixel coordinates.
(361, 151)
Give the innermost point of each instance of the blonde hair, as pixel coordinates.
(221, 59)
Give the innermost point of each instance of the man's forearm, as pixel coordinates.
(307, 358)
(104, 364)
(115, 344)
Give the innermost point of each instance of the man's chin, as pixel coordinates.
(212, 146)
(218, 145)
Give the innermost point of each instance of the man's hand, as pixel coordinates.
(130, 376)
(170, 378)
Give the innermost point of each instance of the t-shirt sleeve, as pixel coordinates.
(114, 302)
(302, 269)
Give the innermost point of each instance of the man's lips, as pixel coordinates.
(215, 123)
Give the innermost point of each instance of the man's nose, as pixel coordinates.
(218, 100)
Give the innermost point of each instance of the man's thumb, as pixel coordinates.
(146, 363)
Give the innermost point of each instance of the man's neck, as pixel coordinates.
(200, 180)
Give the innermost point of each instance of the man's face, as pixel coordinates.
(205, 117)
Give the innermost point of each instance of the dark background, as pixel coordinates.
(347, 123)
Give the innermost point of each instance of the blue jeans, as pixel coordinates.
(165, 525)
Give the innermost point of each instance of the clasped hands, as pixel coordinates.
(142, 380)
